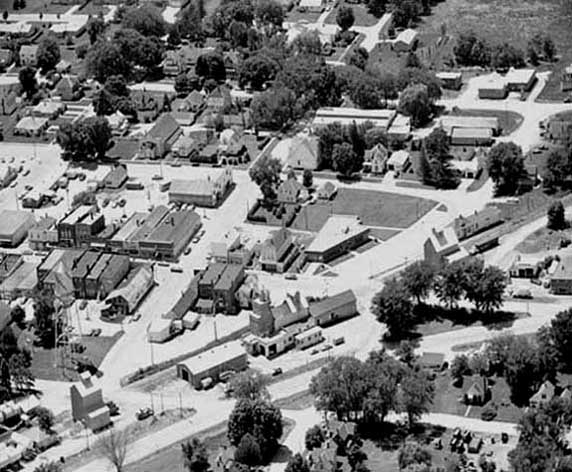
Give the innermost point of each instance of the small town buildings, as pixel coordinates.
(210, 364)
(524, 267)
(87, 403)
(400, 128)
(80, 226)
(217, 288)
(399, 161)
(68, 88)
(125, 299)
(311, 6)
(339, 235)
(12, 448)
(232, 147)
(49, 109)
(14, 226)
(566, 79)
(279, 251)
(561, 278)
(406, 40)
(467, 169)
(380, 118)
(432, 360)
(22, 281)
(160, 138)
(333, 309)
(450, 80)
(185, 148)
(291, 191)
(193, 102)
(209, 192)
(28, 55)
(232, 248)
(148, 106)
(440, 245)
(467, 226)
(182, 60)
(105, 274)
(543, 396)
(520, 80)
(479, 391)
(9, 88)
(471, 137)
(219, 100)
(116, 177)
(375, 159)
(160, 330)
(309, 338)
(30, 126)
(303, 152)
(494, 88)
(452, 122)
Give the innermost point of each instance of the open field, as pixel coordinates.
(382, 209)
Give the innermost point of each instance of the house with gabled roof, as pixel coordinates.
(303, 152)
(193, 102)
(375, 159)
(68, 88)
(219, 99)
(125, 299)
(291, 191)
(160, 138)
(543, 395)
(148, 106)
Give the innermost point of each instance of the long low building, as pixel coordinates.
(210, 364)
(209, 192)
(14, 226)
(380, 118)
(452, 122)
(472, 137)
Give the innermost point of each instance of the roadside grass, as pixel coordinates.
(374, 208)
(294, 16)
(297, 401)
(171, 459)
(509, 121)
(543, 239)
(362, 16)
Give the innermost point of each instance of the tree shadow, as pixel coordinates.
(391, 436)
(283, 455)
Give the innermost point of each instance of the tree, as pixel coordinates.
(557, 169)
(274, 109)
(297, 464)
(449, 285)
(85, 197)
(86, 139)
(405, 352)
(48, 54)
(211, 66)
(46, 419)
(183, 85)
(420, 76)
(44, 318)
(418, 279)
(437, 144)
(307, 43)
(416, 394)
(345, 160)
(189, 22)
(504, 56)
(95, 27)
(257, 70)
(345, 18)
(485, 287)
(20, 374)
(266, 174)
(471, 50)
(260, 419)
(405, 12)
(340, 387)
(522, 371)
(560, 338)
(103, 103)
(240, 11)
(557, 216)
(269, 12)
(392, 306)
(307, 178)
(27, 77)
(413, 453)
(249, 385)
(377, 7)
(505, 165)
(359, 58)
(147, 20)
(415, 102)
(105, 59)
(116, 85)
(248, 451)
(382, 377)
(18, 315)
(314, 437)
(487, 465)
(114, 447)
(49, 466)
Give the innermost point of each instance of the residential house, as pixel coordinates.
(450, 80)
(303, 152)
(561, 278)
(182, 60)
(566, 79)
(29, 55)
(231, 63)
(160, 138)
(479, 391)
(9, 89)
(467, 226)
(193, 102)
(219, 100)
(185, 148)
(279, 251)
(406, 40)
(291, 191)
(232, 148)
(544, 394)
(49, 109)
(6, 58)
(31, 126)
(495, 88)
(148, 106)
(375, 159)
(399, 161)
(68, 88)
(333, 309)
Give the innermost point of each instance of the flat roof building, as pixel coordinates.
(471, 137)
(380, 118)
(339, 235)
(14, 226)
(229, 356)
(79, 227)
(452, 122)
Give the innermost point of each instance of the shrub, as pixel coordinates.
(489, 413)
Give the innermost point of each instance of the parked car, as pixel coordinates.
(144, 413)
(94, 333)
(207, 383)
(327, 347)
(157, 177)
(188, 251)
(29, 455)
(77, 347)
(290, 276)
(276, 371)
(122, 202)
(314, 352)
(26, 172)
(177, 269)
(523, 293)
(105, 202)
(196, 239)
(338, 341)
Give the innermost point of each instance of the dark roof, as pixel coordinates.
(113, 266)
(82, 266)
(279, 238)
(123, 149)
(116, 177)
(331, 303)
(174, 226)
(8, 263)
(187, 299)
(213, 273)
(4, 315)
(99, 266)
(152, 220)
(165, 127)
(229, 277)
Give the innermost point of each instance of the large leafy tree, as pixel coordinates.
(449, 284)
(470, 50)
(505, 166)
(418, 279)
(413, 453)
(105, 59)
(248, 451)
(297, 464)
(340, 387)
(266, 174)
(195, 456)
(384, 374)
(345, 18)
(274, 109)
(269, 12)
(211, 66)
(559, 338)
(345, 160)
(145, 19)
(249, 385)
(260, 419)
(257, 70)
(95, 28)
(48, 54)
(486, 288)
(416, 394)
(86, 139)
(392, 306)
(415, 102)
(556, 216)
(314, 437)
(28, 82)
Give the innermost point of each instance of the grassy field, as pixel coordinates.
(543, 240)
(509, 121)
(374, 208)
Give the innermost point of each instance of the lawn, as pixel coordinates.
(448, 399)
(543, 239)
(384, 56)
(96, 348)
(362, 16)
(170, 459)
(293, 16)
(35, 6)
(509, 121)
(383, 209)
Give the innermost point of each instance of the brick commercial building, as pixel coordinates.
(210, 364)
(80, 226)
(209, 192)
(339, 235)
(14, 226)
(467, 226)
(217, 288)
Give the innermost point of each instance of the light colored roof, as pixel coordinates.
(78, 214)
(399, 158)
(444, 239)
(192, 187)
(451, 122)
(12, 220)
(214, 357)
(495, 81)
(345, 116)
(24, 277)
(406, 36)
(303, 151)
(448, 75)
(308, 333)
(9, 79)
(336, 230)
(310, 3)
(483, 133)
(48, 107)
(472, 165)
(32, 123)
(135, 288)
(519, 76)
(564, 269)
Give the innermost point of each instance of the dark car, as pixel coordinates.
(276, 371)
(144, 413)
(95, 332)
(113, 408)
(82, 304)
